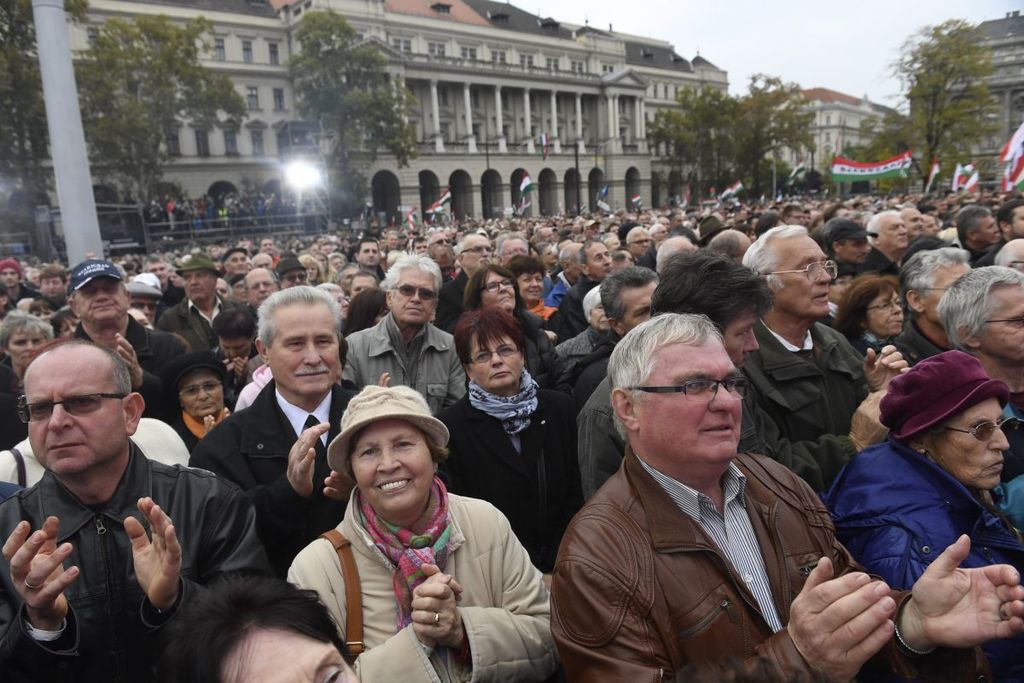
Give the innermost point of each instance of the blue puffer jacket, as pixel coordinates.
(896, 511)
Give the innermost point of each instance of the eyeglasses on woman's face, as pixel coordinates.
(983, 431)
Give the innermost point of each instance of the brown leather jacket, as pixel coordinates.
(640, 592)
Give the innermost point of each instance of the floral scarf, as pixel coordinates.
(513, 411)
(409, 550)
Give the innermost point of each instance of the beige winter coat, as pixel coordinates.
(504, 605)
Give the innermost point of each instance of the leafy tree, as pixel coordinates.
(772, 115)
(942, 71)
(343, 84)
(698, 137)
(139, 80)
(23, 132)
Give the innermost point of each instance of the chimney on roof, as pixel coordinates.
(609, 27)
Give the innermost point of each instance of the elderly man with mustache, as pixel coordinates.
(275, 449)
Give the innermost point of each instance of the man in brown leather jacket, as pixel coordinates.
(691, 554)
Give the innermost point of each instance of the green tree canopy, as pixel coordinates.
(23, 133)
(772, 115)
(343, 83)
(942, 71)
(698, 137)
(141, 79)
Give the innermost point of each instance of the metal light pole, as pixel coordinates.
(67, 139)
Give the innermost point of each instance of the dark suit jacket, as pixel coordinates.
(537, 489)
(191, 326)
(250, 449)
(449, 302)
(570, 311)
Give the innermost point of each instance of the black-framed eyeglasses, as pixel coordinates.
(1016, 322)
(495, 286)
(194, 389)
(485, 356)
(74, 405)
(296, 276)
(408, 291)
(701, 389)
(983, 431)
(814, 271)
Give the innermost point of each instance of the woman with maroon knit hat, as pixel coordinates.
(899, 504)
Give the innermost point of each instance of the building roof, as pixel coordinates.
(508, 16)
(1010, 26)
(652, 54)
(700, 61)
(261, 8)
(826, 96)
(457, 10)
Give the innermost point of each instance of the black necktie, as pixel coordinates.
(321, 450)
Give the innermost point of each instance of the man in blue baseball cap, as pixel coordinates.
(98, 296)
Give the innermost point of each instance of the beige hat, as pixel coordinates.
(375, 403)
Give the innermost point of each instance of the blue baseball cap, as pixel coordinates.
(87, 271)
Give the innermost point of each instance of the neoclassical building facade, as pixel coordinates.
(490, 83)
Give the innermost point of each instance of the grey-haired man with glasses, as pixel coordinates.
(105, 549)
(809, 380)
(692, 554)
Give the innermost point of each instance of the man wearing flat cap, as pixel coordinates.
(100, 299)
(291, 272)
(191, 319)
(846, 241)
(235, 261)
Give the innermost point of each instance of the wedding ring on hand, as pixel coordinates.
(32, 587)
(437, 618)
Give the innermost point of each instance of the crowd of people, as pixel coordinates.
(741, 442)
(236, 209)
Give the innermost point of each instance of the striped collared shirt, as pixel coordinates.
(732, 532)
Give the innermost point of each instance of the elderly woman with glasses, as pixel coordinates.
(870, 313)
(494, 286)
(897, 505)
(195, 382)
(445, 590)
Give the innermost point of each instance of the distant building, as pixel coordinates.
(488, 80)
(837, 124)
(1005, 37)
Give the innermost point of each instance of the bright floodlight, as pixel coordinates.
(301, 175)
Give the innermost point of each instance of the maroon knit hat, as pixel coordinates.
(10, 263)
(935, 390)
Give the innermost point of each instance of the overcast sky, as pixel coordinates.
(847, 47)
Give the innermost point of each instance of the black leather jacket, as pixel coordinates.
(112, 632)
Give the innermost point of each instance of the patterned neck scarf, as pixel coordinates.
(513, 411)
(409, 550)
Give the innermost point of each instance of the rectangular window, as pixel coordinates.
(526, 61)
(278, 99)
(435, 49)
(202, 143)
(257, 142)
(442, 96)
(219, 52)
(469, 53)
(445, 130)
(173, 143)
(402, 44)
(253, 97)
(499, 57)
(93, 33)
(577, 67)
(551, 63)
(275, 54)
(247, 51)
(231, 143)
(607, 68)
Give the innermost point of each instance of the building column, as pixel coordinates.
(555, 141)
(579, 125)
(468, 104)
(642, 142)
(438, 141)
(611, 116)
(499, 120)
(528, 122)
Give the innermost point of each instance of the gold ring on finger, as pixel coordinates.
(33, 587)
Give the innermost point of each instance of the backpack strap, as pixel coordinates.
(353, 593)
(19, 461)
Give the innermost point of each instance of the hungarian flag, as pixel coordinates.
(732, 190)
(526, 186)
(636, 201)
(443, 201)
(796, 172)
(971, 185)
(410, 219)
(961, 177)
(1013, 156)
(848, 170)
(544, 146)
(932, 175)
